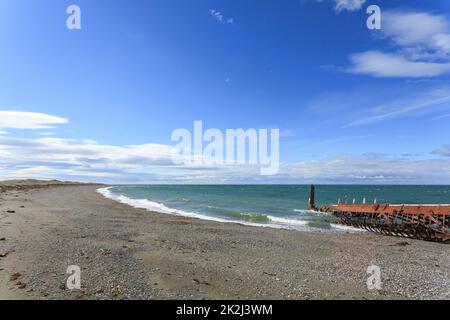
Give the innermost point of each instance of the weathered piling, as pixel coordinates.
(312, 198)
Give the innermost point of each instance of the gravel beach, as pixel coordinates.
(128, 253)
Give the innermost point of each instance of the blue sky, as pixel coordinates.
(353, 105)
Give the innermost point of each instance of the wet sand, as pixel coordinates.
(127, 253)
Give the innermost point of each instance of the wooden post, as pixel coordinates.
(312, 198)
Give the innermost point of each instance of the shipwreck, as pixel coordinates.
(416, 221)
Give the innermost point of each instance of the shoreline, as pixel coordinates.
(129, 253)
(273, 222)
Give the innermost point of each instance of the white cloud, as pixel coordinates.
(89, 160)
(371, 169)
(383, 65)
(349, 5)
(10, 119)
(421, 29)
(47, 172)
(53, 158)
(422, 47)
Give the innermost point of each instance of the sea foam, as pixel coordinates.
(161, 208)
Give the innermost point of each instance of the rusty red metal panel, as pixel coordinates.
(389, 209)
(424, 222)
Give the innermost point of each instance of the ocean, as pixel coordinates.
(276, 206)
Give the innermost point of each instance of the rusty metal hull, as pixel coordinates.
(424, 222)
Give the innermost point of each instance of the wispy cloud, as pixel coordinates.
(444, 151)
(349, 5)
(444, 116)
(403, 107)
(365, 105)
(220, 17)
(10, 119)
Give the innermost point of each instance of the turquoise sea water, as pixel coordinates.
(282, 206)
